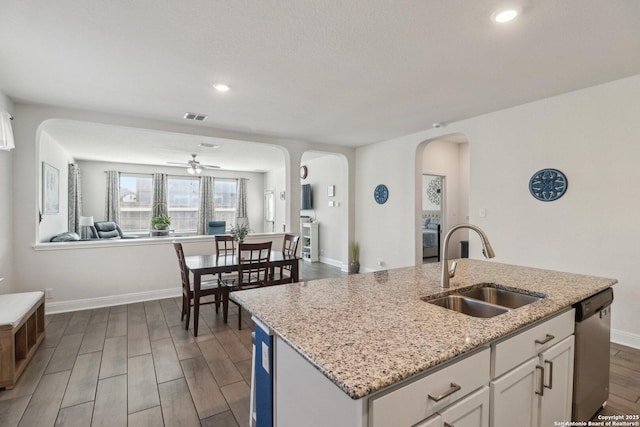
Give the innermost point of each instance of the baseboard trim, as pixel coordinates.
(333, 262)
(625, 338)
(108, 301)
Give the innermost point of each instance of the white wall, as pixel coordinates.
(332, 229)
(53, 154)
(591, 135)
(387, 233)
(275, 180)
(94, 183)
(6, 207)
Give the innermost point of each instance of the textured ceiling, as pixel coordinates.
(333, 71)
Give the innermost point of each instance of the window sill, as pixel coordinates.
(142, 241)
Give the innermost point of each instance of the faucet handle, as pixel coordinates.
(452, 270)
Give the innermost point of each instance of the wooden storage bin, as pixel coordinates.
(21, 332)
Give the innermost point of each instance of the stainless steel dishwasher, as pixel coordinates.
(591, 367)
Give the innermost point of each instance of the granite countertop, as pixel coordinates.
(368, 331)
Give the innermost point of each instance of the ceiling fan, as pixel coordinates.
(193, 166)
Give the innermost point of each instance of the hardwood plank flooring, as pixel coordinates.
(624, 384)
(75, 416)
(110, 406)
(142, 387)
(83, 381)
(137, 365)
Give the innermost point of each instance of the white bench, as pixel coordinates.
(21, 332)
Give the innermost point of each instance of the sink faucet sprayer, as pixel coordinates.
(447, 272)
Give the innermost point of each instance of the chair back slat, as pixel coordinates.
(183, 266)
(253, 264)
(290, 244)
(225, 244)
(289, 248)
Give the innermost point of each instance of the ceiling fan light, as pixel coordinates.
(194, 170)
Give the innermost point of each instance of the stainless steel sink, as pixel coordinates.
(468, 306)
(485, 301)
(498, 296)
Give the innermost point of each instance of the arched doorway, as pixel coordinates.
(446, 158)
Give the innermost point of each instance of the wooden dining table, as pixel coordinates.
(203, 265)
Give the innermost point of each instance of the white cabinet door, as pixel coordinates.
(513, 397)
(558, 383)
(472, 411)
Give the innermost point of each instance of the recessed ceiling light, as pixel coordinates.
(506, 15)
(208, 145)
(221, 87)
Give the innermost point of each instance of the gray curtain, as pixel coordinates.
(75, 198)
(206, 212)
(159, 189)
(241, 207)
(112, 202)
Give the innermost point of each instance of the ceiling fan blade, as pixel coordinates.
(178, 164)
(209, 167)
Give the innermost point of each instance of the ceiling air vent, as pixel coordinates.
(195, 116)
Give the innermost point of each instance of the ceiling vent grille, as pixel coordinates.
(195, 116)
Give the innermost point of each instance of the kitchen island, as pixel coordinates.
(369, 333)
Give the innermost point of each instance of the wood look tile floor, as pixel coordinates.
(136, 365)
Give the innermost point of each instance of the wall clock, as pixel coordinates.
(304, 172)
(381, 194)
(548, 185)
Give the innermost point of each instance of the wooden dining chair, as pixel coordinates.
(289, 248)
(209, 287)
(253, 269)
(225, 245)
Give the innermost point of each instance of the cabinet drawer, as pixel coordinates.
(417, 400)
(513, 351)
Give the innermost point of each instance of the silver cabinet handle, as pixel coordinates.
(550, 386)
(454, 387)
(541, 391)
(545, 340)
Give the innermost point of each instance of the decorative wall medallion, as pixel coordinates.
(548, 185)
(381, 194)
(433, 191)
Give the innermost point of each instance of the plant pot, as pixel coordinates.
(161, 226)
(354, 267)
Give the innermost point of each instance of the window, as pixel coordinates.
(225, 200)
(183, 203)
(135, 202)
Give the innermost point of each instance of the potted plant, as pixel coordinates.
(161, 222)
(239, 232)
(354, 266)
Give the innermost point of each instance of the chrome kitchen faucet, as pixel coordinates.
(448, 273)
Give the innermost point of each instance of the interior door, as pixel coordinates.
(269, 210)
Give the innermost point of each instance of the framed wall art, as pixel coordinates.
(50, 189)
